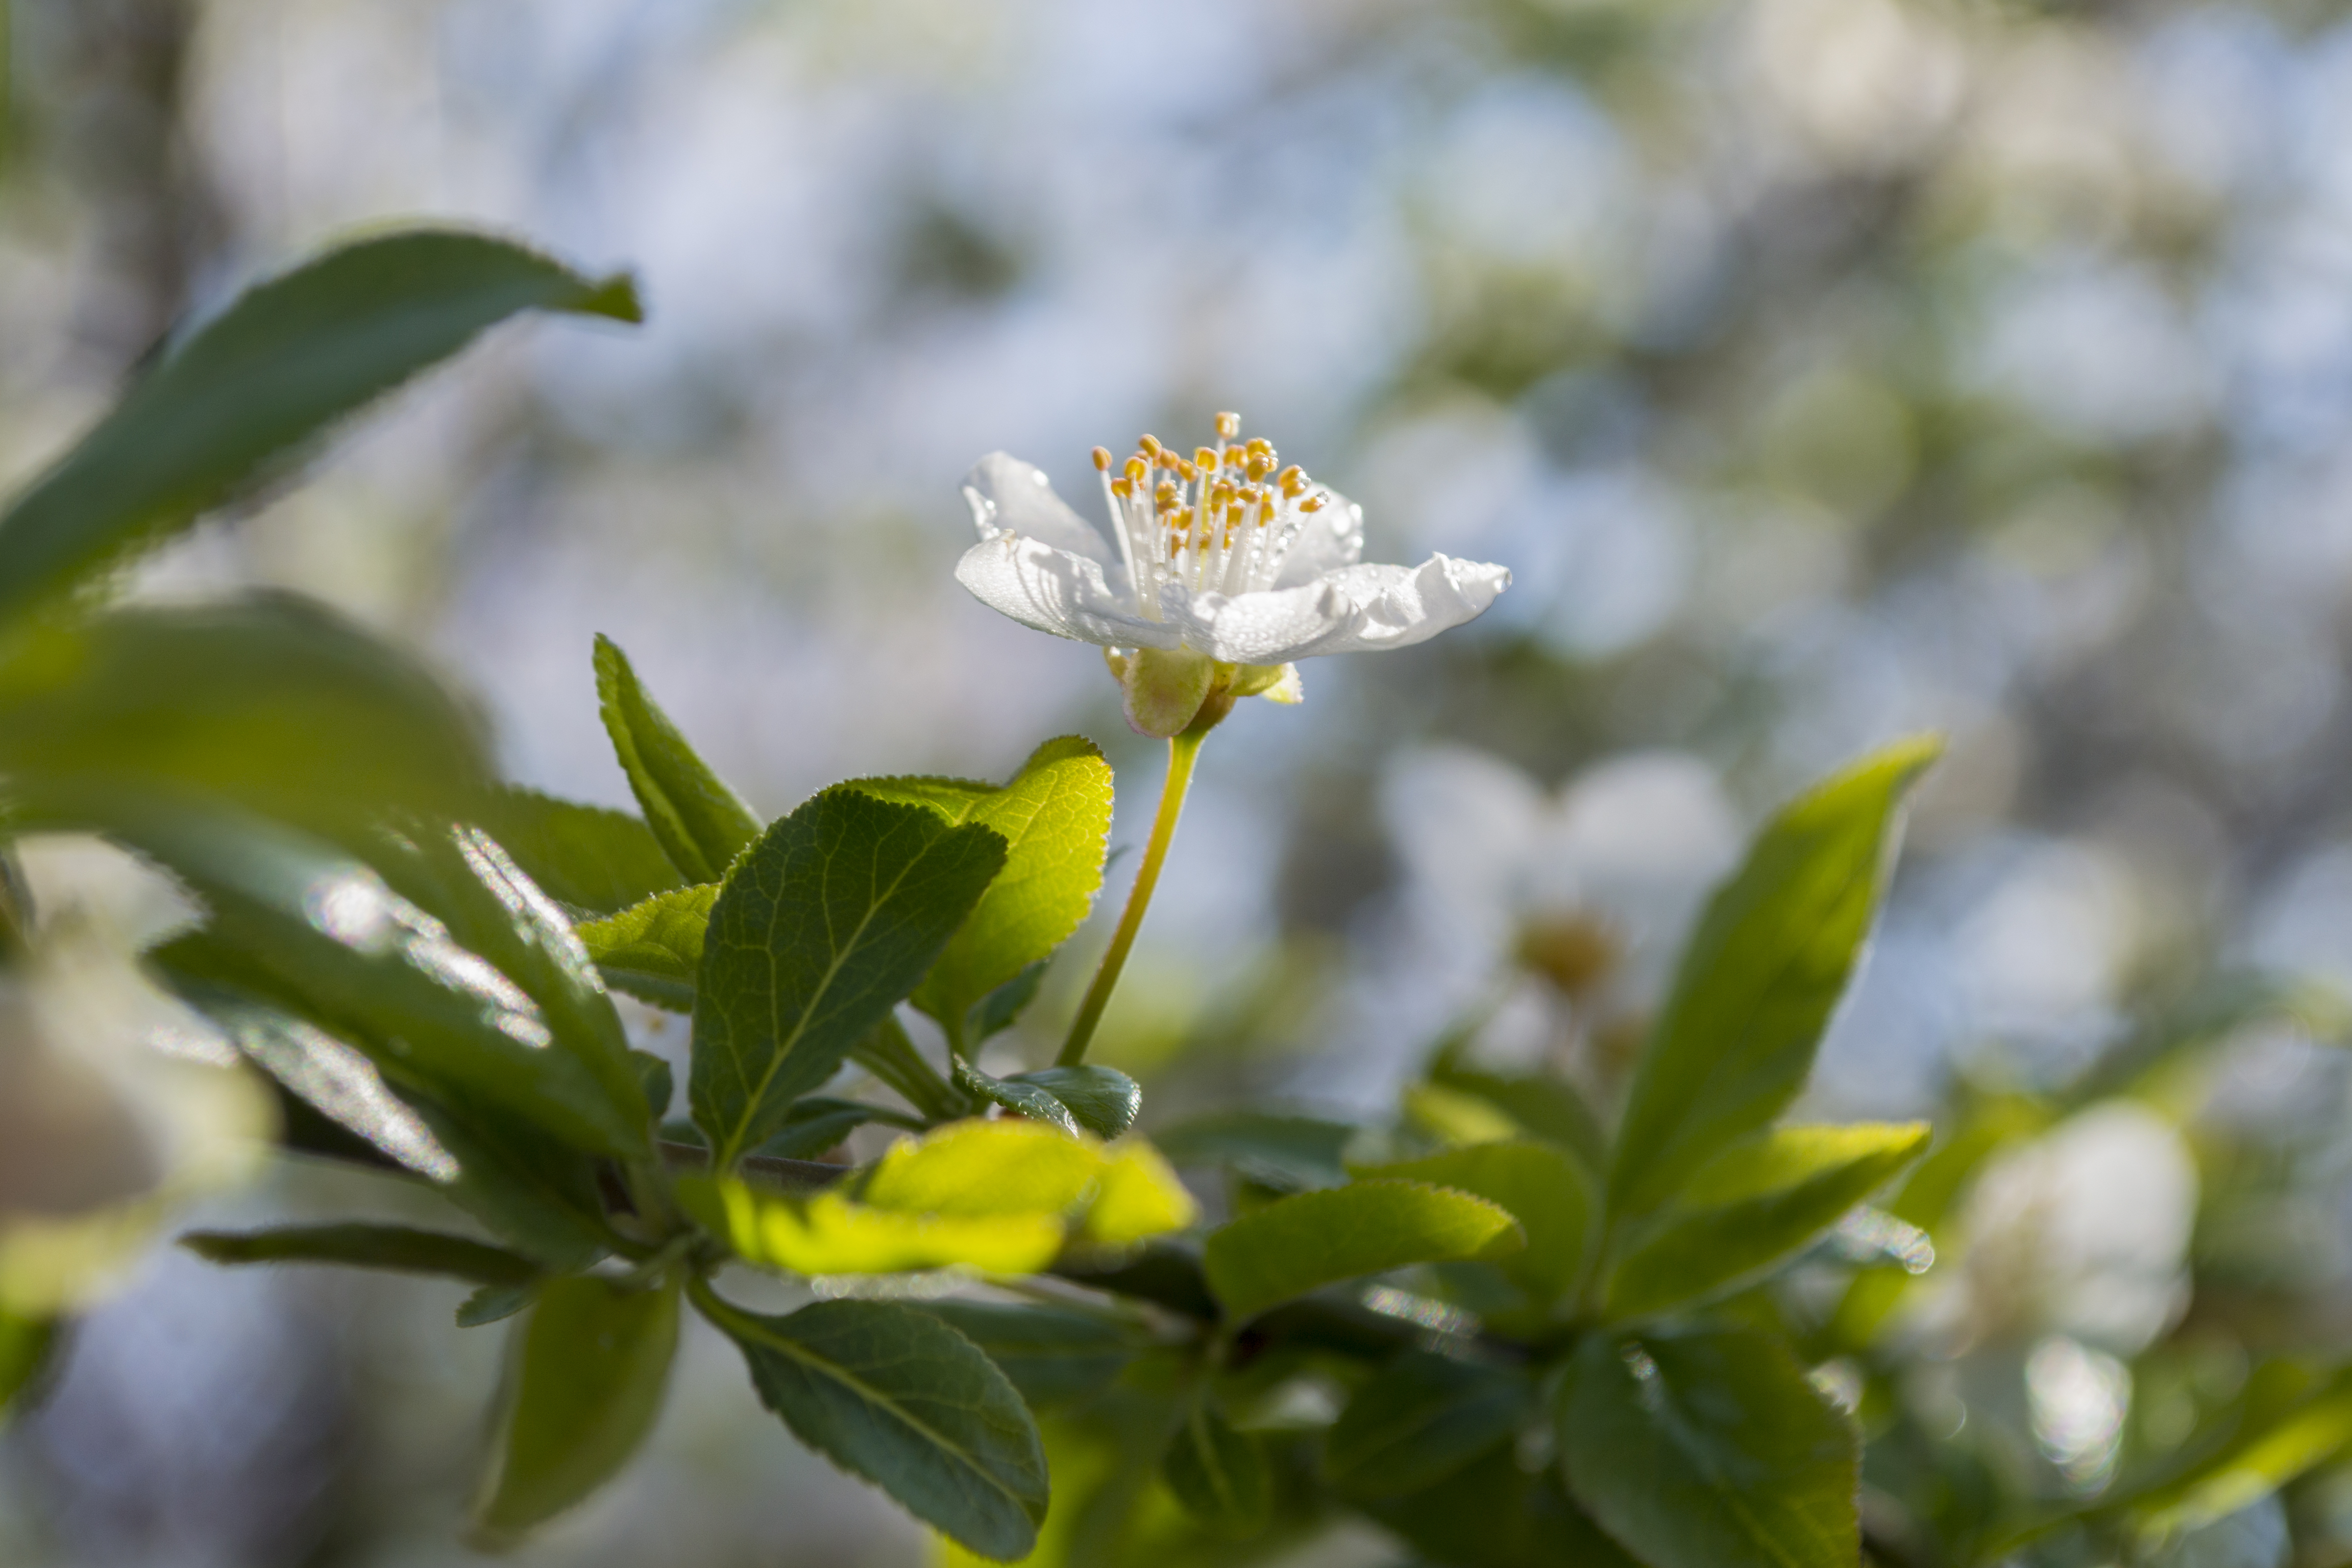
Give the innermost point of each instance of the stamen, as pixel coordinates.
(1206, 457)
(1229, 427)
(1224, 519)
(1102, 459)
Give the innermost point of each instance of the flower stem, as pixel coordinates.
(1182, 749)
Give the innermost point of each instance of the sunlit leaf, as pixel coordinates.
(1541, 1185)
(2288, 1421)
(1055, 819)
(268, 702)
(232, 399)
(653, 950)
(1709, 1448)
(28, 1344)
(393, 1247)
(1311, 1240)
(588, 858)
(827, 921)
(1755, 1204)
(1419, 1419)
(700, 823)
(983, 1168)
(893, 1394)
(1218, 1474)
(1136, 1196)
(827, 1233)
(1759, 977)
(585, 1390)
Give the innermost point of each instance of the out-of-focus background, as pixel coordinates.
(1825, 370)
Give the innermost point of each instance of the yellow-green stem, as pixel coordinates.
(1182, 752)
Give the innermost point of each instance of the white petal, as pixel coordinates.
(1007, 495)
(1357, 609)
(1332, 538)
(1055, 591)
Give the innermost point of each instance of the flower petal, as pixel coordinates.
(1356, 609)
(1332, 538)
(1055, 591)
(1007, 495)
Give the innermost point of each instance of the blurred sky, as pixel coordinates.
(1824, 369)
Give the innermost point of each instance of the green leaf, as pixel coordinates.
(1709, 1449)
(1493, 1514)
(2288, 1421)
(1098, 1099)
(588, 858)
(885, 1051)
(891, 1394)
(829, 920)
(1759, 977)
(1541, 1186)
(653, 950)
(1547, 1108)
(656, 1081)
(1052, 1354)
(494, 1304)
(1103, 1100)
(26, 1347)
(1136, 1196)
(1291, 1152)
(1055, 819)
(997, 1011)
(1298, 1244)
(393, 1247)
(1219, 1474)
(267, 702)
(1419, 1419)
(232, 399)
(1757, 1203)
(539, 1194)
(818, 1123)
(828, 1232)
(699, 822)
(466, 880)
(353, 956)
(585, 1392)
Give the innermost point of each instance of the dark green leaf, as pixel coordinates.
(653, 950)
(1025, 1099)
(1300, 1243)
(1218, 1474)
(267, 702)
(493, 1304)
(1055, 819)
(1495, 1515)
(339, 948)
(465, 879)
(997, 1011)
(244, 390)
(885, 1051)
(393, 1247)
(1544, 1189)
(1757, 1204)
(1759, 978)
(891, 1394)
(817, 1123)
(1547, 1108)
(2287, 1421)
(27, 1346)
(827, 923)
(535, 1193)
(1290, 1152)
(700, 823)
(1053, 1355)
(1104, 1100)
(1709, 1449)
(585, 1392)
(588, 858)
(1421, 1418)
(654, 1077)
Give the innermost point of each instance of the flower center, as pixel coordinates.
(1220, 521)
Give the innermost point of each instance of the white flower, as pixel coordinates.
(1218, 559)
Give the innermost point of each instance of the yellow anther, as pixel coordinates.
(1229, 425)
(1186, 471)
(1151, 445)
(1219, 494)
(1164, 497)
(1206, 457)
(1312, 503)
(1259, 446)
(1136, 469)
(1292, 479)
(1122, 488)
(1102, 459)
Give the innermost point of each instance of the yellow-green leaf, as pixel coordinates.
(1541, 1185)
(1308, 1240)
